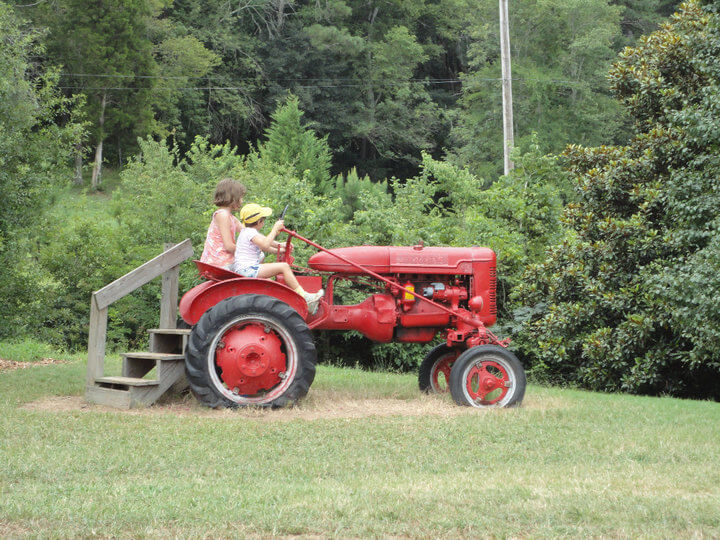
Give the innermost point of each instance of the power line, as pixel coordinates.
(320, 85)
(387, 83)
(359, 81)
(207, 77)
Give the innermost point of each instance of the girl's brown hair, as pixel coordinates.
(228, 192)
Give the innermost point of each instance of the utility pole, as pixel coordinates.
(508, 137)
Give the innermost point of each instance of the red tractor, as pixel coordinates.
(251, 341)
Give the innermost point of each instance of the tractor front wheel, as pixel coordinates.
(250, 350)
(487, 376)
(434, 372)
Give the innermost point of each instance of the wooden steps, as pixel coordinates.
(145, 375)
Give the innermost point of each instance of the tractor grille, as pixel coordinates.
(493, 286)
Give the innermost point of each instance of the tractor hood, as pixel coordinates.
(402, 260)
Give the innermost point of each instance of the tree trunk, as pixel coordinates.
(370, 91)
(97, 167)
(78, 164)
(280, 15)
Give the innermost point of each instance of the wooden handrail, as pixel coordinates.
(142, 274)
(167, 264)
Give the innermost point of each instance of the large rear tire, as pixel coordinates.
(250, 350)
(487, 376)
(434, 372)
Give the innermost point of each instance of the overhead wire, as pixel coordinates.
(318, 82)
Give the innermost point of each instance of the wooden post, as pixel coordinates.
(96, 341)
(508, 136)
(169, 298)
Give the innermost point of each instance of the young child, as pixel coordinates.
(220, 241)
(250, 247)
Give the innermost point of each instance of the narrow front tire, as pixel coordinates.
(434, 371)
(487, 376)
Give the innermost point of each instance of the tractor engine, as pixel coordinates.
(460, 280)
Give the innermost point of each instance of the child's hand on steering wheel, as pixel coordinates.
(279, 224)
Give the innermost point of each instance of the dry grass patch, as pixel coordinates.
(318, 405)
(11, 365)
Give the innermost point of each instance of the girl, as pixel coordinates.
(251, 245)
(220, 241)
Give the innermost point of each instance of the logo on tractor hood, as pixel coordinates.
(425, 260)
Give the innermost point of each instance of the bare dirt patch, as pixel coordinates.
(319, 405)
(10, 365)
(9, 529)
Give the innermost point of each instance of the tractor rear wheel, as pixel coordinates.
(434, 372)
(250, 350)
(487, 376)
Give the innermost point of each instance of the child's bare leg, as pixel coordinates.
(273, 269)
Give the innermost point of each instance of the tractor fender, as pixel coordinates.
(204, 296)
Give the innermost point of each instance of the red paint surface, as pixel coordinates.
(402, 260)
(251, 359)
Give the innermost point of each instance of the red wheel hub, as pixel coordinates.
(443, 366)
(488, 382)
(251, 359)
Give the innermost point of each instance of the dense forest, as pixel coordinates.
(380, 123)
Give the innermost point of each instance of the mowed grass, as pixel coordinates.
(363, 456)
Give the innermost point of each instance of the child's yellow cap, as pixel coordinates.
(252, 213)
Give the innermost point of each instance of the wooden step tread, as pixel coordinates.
(153, 356)
(127, 381)
(171, 331)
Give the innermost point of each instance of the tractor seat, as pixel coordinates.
(215, 273)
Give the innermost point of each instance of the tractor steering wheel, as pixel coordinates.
(286, 256)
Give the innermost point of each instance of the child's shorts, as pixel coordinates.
(249, 271)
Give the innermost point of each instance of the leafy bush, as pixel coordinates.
(39, 129)
(625, 302)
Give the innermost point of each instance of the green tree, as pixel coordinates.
(129, 61)
(642, 17)
(38, 129)
(289, 143)
(615, 305)
(561, 52)
(102, 48)
(357, 69)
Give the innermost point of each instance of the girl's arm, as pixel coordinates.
(276, 247)
(267, 243)
(223, 222)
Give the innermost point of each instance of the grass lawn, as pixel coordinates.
(70, 201)
(363, 455)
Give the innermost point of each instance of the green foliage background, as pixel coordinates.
(377, 124)
(627, 301)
